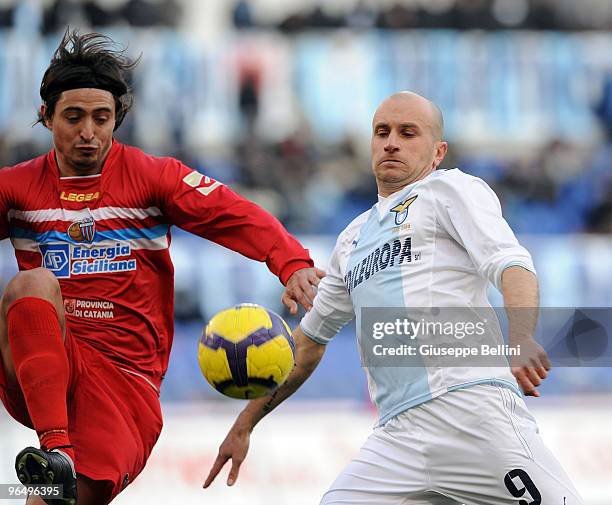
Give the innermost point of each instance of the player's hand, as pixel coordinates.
(234, 447)
(301, 288)
(531, 368)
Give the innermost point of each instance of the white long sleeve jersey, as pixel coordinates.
(435, 243)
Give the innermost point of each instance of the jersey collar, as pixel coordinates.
(112, 154)
(386, 202)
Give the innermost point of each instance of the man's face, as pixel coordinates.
(82, 127)
(405, 145)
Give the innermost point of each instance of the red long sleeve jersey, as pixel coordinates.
(106, 239)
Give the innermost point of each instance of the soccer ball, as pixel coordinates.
(246, 351)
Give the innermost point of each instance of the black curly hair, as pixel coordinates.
(87, 61)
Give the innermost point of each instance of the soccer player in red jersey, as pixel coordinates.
(86, 326)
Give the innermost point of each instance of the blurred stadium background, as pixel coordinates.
(275, 99)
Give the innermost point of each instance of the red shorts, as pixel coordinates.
(114, 418)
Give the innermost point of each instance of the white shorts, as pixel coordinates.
(473, 446)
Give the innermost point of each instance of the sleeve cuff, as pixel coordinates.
(314, 337)
(527, 264)
(314, 327)
(523, 264)
(293, 266)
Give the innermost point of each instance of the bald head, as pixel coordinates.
(407, 141)
(414, 103)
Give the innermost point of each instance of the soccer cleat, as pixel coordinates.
(37, 466)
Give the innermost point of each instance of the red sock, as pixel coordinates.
(41, 366)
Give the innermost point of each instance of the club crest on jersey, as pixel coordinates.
(83, 230)
(401, 210)
(69, 305)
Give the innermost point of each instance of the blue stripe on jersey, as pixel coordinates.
(393, 389)
(115, 235)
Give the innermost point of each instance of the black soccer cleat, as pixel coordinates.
(40, 467)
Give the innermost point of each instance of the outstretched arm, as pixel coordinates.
(236, 443)
(203, 206)
(521, 300)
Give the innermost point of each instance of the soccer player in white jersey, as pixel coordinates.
(436, 238)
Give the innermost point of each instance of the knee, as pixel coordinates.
(38, 282)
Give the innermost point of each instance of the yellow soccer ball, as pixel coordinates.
(246, 351)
